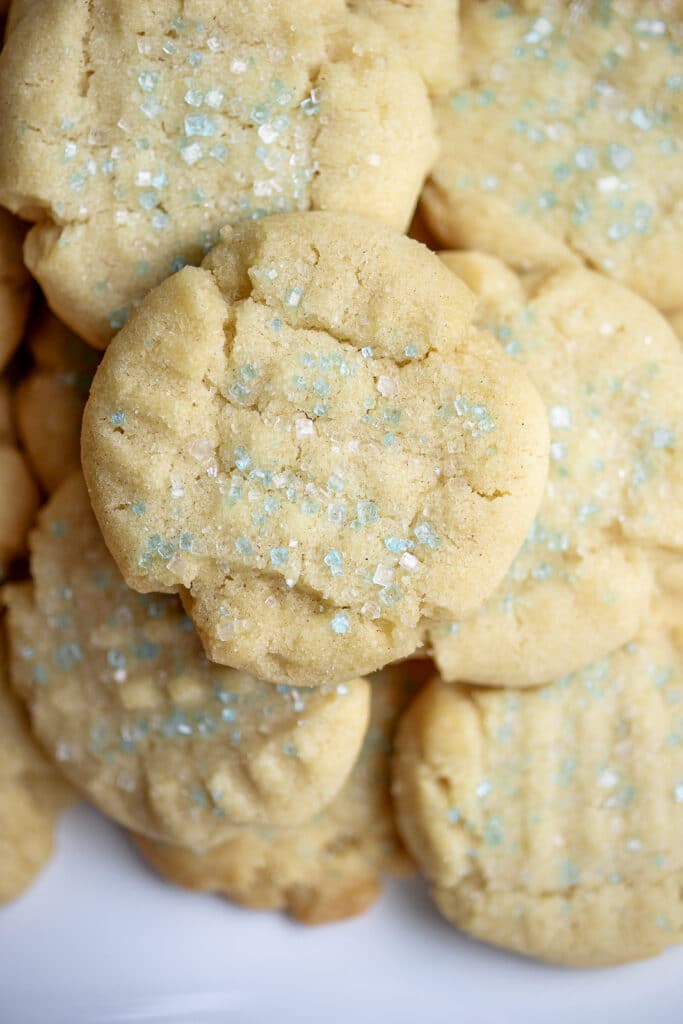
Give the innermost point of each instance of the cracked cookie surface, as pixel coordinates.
(310, 442)
(610, 371)
(331, 867)
(121, 695)
(137, 130)
(550, 821)
(565, 142)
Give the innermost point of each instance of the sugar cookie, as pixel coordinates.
(331, 867)
(121, 695)
(550, 821)
(310, 442)
(611, 373)
(567, 142)
(134, 132)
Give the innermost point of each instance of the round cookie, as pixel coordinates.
(550, 821)
(137, 132)
(309, 441)
(331, 867)
(566, 142)
(15, 286)
(121, 695)
(611, 374)
(31, 796)
(19, 505)
(427, 30)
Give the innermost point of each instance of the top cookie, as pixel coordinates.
(566, 142)
(610, 371)
(311, 443)
(135, 132)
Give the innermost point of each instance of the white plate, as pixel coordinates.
(100, 939)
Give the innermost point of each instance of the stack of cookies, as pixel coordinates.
(349, 557)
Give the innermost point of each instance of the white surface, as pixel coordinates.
(100, 939)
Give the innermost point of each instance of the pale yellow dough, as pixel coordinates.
(566, 142)
(134, 131)
(32, 795)
(310, 442)
(610, 371)
(331, 867)
(550, 821)
(122, 697)
(426, 29)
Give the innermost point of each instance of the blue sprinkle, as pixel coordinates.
(333, 559)
(367, 512)
(200, 124)
(663, 437)
(242, 458)
(279, 556)
(117, 318)
(243, 546)
(397, 544)
(340, 623)
(240, 392)
(138, 509)
(118, 418)
(620, 156)
(426, 535)
(148, 80)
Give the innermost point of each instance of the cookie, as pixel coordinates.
(54, 348)
(18, 507)
(32, 796)
(550, 821)
(122, 697)
(610, 371)
(15, 287)
(7, 435)
(48, 410)
(138, 131)
(428, 31)
(331, 867)
(308, 439)
(565, 143)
